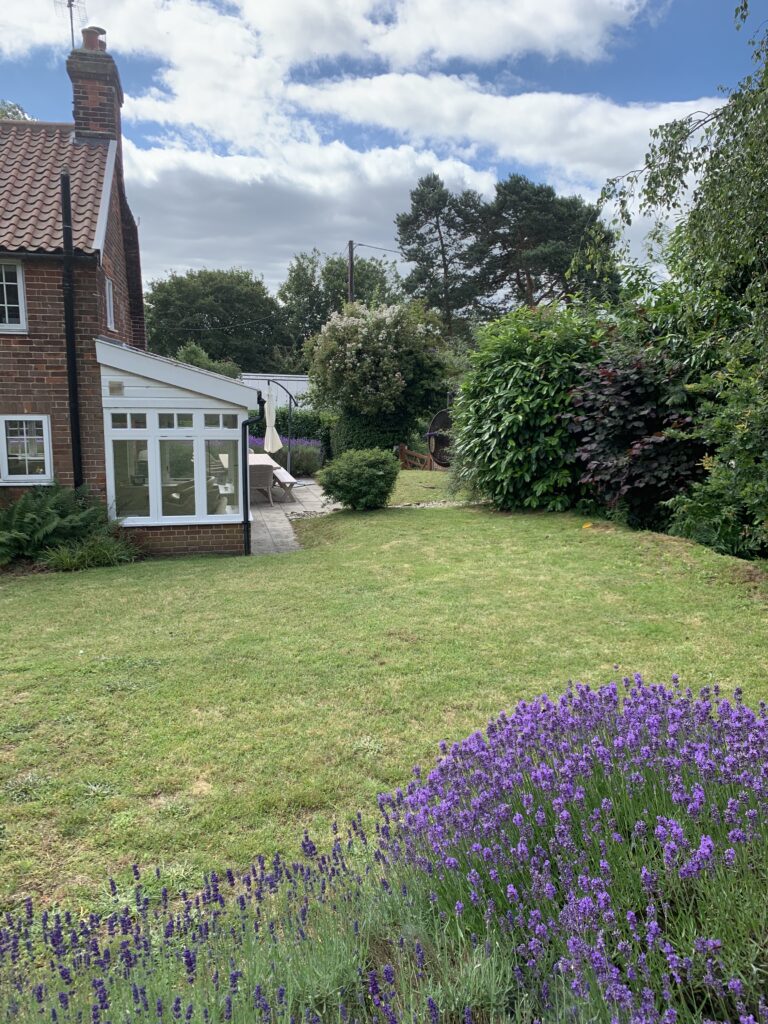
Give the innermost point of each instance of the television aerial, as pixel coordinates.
(75, 11)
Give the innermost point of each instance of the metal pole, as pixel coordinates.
(244, 485)
(291, 403)
(70, 337)
(351, 272)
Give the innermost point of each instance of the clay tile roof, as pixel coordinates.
(32, 156)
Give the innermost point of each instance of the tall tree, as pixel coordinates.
(475, 260)
(228, 312)
(316, 286)
(527, 244)
(435, 235)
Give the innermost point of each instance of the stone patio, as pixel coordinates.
(271, 530)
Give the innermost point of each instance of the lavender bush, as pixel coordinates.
(601, 857)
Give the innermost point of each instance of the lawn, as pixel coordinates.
(198, 711)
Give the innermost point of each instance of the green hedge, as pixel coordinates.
(356, 433)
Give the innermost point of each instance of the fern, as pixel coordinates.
(46, 516)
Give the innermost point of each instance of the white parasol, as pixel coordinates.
(272, 442)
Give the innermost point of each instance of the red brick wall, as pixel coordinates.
(197, 538)
(33, 369)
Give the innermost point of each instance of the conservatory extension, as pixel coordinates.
(172, 442)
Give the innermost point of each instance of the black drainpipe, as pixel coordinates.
(245, 430)
(68, 288)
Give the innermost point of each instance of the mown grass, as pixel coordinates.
(195, 712)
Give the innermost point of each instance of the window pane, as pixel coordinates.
(212, 419)
(25, 446)
(10, 308)
(183, 419)
(119, 420)
(177, 466)
(222, 479)
(230, 420)
(139, 420)
(131, 476)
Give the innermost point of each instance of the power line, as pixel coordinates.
(219, 327)
(381, 248)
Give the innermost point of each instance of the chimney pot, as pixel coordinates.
(92, 38)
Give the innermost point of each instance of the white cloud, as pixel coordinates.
(585, 137)
(236, 162)
(487, 30)
(203, 209)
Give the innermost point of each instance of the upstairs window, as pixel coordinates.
(108, 291)
(25, 450)
(13, 312)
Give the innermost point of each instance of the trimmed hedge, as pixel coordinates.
(358, 433)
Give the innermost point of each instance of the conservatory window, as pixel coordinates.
(222, 479)
(177, 466)
(25, 450)
(162, 477)
(131, 478)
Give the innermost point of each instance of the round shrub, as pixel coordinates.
(511, 441)
(361, 480)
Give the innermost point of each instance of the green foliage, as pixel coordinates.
(435, 235)
(527, 244)
(196, 355)
(306, 459)
(11, 111)
(360, 480)
(351, 432)
(713, 513)
(512, 444)
(100, 549)
(47, 516)
(475, 259)
(719, 266)
(381, 368)
(229, 313)
(729, 510)
(316, 287)
(303, 422)
(632, 418)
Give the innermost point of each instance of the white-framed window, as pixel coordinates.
(166, 468)
(25, 450)
(110, 297)
(13, 307)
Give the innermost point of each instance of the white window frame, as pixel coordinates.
(20, 328)
(109, 295)
(6, 480)
(153, 434)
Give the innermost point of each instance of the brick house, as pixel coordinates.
(81, 400)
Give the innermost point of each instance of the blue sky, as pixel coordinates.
(258, 128)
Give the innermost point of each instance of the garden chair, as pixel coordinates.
(260, 479)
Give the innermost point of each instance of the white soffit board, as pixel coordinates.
(173, 373)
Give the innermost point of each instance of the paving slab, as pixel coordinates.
(271, 530)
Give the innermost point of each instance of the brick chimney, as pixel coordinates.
(97, 92)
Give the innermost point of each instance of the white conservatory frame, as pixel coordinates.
(138, 382)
